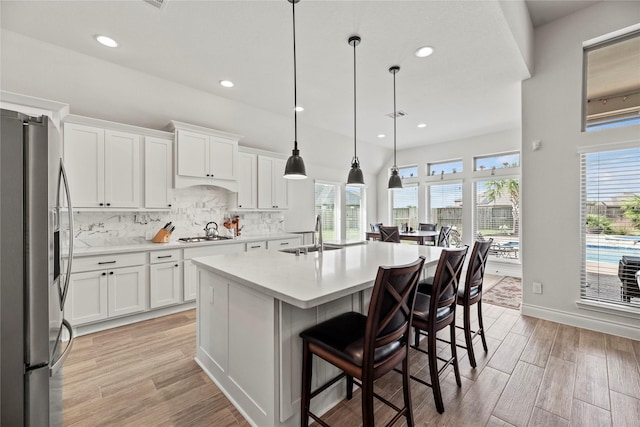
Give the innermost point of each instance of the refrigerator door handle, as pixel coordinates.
(55, 365)
(62, 178)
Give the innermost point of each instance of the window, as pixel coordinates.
(445, 205)
(408, 172)
(453, 166)
(506, 160)
(610, 214)
(328, 207)
(612, 83)
(404, 206)
(355, 212)
(497, 216)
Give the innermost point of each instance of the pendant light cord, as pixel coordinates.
(395, 165)
(355, 153)
(295, 85)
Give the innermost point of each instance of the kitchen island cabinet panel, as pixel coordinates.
(213, 302)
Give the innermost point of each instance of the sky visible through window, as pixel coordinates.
(612, 174)
(454, 166)
(501, 161)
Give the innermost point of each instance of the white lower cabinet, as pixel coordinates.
(165, 284)
(97, 295)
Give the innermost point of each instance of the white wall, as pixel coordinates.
(551, 112)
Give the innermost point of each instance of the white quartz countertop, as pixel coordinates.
(306, 281)
(122, 245)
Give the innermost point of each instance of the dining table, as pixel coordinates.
(416, 236)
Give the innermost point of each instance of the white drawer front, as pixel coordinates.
(256, 246)
(102, 262)
(283, 243)
(164, 256)
(214, 249)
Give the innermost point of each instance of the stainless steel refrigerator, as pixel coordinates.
(35, 338)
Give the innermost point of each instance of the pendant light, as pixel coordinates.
(294, 168)
(355, 174)
(394, 179)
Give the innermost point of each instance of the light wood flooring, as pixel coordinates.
(536, 373)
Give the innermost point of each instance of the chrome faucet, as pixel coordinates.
(318, 242)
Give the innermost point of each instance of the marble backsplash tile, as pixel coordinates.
(193, 208)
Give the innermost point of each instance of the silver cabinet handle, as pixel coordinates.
(55, 366)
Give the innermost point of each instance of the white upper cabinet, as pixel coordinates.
(103, 166)
(205, 156)
(158, 155)
(273, 189)
(247, 181)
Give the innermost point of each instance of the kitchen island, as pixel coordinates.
(251, 308)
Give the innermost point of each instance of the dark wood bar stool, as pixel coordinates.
(437, 311)
(390, 233)
(443, 237)
(366, 347)
(469, 293)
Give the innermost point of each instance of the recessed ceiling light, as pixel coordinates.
(424, 51)
(106, 41)
(382, 135)
(422, 125)
(299, 108)
(226, 83)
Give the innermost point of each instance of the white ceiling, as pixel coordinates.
(469, 86)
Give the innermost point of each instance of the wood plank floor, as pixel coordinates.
(536, 373)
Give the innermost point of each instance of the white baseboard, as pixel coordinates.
(133, 318)
(622, 329)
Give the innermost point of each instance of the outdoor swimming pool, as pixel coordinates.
(609, 254)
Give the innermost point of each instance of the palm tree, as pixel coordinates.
(495, 189)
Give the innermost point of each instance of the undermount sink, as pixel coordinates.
(202, 239)
(303, 249)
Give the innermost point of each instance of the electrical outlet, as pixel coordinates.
(537, 288)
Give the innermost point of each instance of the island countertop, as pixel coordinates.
(309, 280)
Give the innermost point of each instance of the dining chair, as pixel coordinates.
(375, 228)
(366, 347)
(443, 237)
(428, 227)
(435, 312)
(389, 233)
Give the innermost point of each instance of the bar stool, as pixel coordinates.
(443, 237)
(435, 312)
(366, 347)
(469, 293)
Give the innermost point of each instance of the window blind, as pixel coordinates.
(445, 205)
(404, 206)
(610, 221)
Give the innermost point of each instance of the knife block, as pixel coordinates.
(162, 236)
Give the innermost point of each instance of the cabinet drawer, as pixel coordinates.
(103, 262)
(283, 243)
(164, 256)
(256, 246)
(214, 249)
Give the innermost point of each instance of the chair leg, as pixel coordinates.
(481, 327)
(467, 335)
(416, 339)
(433, 371)
(367, 403)
(305, 397)
(406, 388)
(454, 354)
(349, 387)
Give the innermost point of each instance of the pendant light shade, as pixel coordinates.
(394, 179)
(355, 174)
(294, 168)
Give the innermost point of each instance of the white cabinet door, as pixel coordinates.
(222, 158)
(157, 172)
(193, 154)
(165, 284)
(247, 181)
(84, 161)
(127, 290)
(190, 281)
(273, 189)
(280, 185)
(122, 170)
(87, 298)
